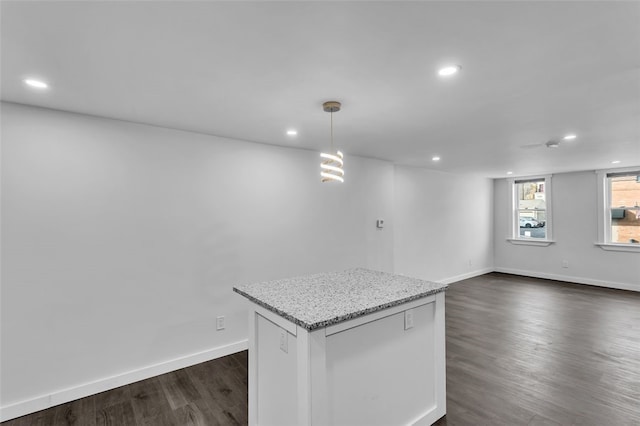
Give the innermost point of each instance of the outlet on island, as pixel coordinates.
(408, 319)
(284, 341)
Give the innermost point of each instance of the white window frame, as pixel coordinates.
(514, 222)
(604, 212)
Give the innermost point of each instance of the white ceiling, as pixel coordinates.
(531, 71)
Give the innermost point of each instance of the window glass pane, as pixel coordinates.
(530, 227)
(532, 205)
(531, 195)
(625, 208)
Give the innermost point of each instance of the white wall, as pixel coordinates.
(575, 232)
(121, 243)
(444, 225)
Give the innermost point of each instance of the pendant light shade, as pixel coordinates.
(331, 165)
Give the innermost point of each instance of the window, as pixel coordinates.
(619, 212)
(531, 210)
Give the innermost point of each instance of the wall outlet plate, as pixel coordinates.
(408, 319)
(220, 323)
(284, 341)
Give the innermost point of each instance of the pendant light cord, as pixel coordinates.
(331, 131)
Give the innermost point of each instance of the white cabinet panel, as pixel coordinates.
(381, 374)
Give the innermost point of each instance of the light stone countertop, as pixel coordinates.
(319, 300)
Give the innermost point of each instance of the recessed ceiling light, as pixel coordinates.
(569, 137)
(36, 83)
(509, 173)
(292, 132)
(435, 158)
(449, 70)
(615, 162)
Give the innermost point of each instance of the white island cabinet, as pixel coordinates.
(349, 348)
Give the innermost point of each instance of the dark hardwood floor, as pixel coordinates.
(525, 351)
(211, 393)
(520, 351)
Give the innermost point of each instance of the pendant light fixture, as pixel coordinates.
(331, 166)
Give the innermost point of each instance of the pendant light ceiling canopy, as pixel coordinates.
(331, 166)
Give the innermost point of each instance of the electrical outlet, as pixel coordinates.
(220, 323)
(565, 263)
(284, 341)
(408, 319)
(380, 223)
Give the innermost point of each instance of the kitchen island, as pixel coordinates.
(357, 347)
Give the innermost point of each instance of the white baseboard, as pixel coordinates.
(466, 275)
(70, 394)
(568, 278)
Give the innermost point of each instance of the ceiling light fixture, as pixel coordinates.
(449, 70)
(292, 132)
(435, 158)
(331, 167)
(570, 137)
(35, 83)
(615, 162)
(509, 173)
(553, 144)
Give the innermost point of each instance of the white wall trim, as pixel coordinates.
(467, 275)
(71, 394)
(631, 248)
(568, 278)
(523, 242)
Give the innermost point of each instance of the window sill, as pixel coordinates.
(619, 247)
(530, 242)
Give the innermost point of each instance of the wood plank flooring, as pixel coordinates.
(212, 393)
(520, 351)
(525, 351)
